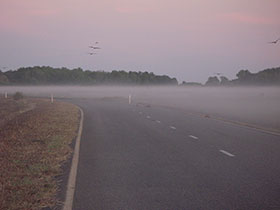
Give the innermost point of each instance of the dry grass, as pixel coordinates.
(33, 145)
(9, 108)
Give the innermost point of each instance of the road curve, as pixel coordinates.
(149, 157)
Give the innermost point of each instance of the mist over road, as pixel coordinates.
(254, 105)
(142, 156)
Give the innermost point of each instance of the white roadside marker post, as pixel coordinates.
(129, 99)
(6, 95)
(51, 98)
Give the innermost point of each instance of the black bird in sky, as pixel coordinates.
(95, 48)
(91, 53)
(274, 42)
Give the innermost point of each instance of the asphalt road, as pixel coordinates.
(149, 157)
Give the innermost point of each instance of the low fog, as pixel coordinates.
(255, 105)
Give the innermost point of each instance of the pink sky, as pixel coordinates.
(189, 40)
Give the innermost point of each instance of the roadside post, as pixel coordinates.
(51, 98)
(6, 95)
(129, 99)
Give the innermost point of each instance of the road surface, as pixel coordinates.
(147, 157)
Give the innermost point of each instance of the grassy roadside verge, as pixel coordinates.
(33, 146)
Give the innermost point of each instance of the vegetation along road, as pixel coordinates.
(35, 138)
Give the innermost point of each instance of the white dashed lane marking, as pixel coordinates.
(227, 153)
(193, 137)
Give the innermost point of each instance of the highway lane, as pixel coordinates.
(149, 157)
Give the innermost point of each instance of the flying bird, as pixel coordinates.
(95, 48)
(274, 42)
(91, 53)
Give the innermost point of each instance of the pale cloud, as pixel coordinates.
(20, 18)
(43, 12)
(247, 18)
(135, 7)
(131, 10)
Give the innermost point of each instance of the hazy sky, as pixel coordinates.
(186, 39)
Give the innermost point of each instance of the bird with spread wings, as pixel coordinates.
(274, 42)
(94, 47)
(91, 53)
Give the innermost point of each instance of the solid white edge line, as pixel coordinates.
(194, 137)
(73, 172)
(226, 153)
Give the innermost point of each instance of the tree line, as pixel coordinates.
(245, 77)
(45, 75)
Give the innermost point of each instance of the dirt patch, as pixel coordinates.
(34, 143)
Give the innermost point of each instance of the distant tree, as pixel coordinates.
(213, 81)
(268, 77)
(244, 77)
(243, 74)
(3, 79)
(224, 80)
